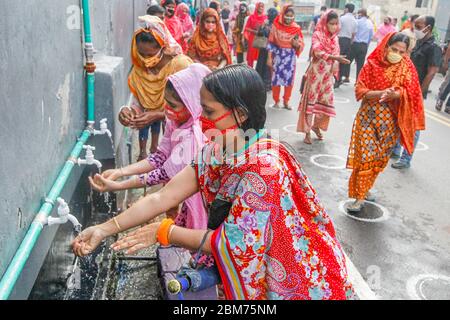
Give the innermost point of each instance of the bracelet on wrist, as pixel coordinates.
(162, 235)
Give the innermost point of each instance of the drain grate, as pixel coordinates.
(370, 212)
(429, 287)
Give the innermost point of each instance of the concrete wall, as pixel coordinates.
(42, 99)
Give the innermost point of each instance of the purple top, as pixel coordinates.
(159, 175)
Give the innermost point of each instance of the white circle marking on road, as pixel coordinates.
(414, 284)
(314, 158)
(287, 128)
(384, 217)
(341, 100)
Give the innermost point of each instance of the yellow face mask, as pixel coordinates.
(151, 62)
(394, 57)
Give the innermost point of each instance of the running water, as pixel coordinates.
(108, 201)
(112, 147)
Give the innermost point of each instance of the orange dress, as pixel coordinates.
(378, 125)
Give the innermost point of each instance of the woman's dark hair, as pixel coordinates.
(214, 5)
(399, 37)
(167, 2)
(290, 9)
(154, 10)
(240, 87)
(147, 37)
(173, 91)
(332, 15)
(272, 14)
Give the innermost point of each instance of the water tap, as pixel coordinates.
(64, 216)
(103, 129)
(90, 159)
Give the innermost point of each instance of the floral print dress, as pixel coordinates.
(284, 65)
(277, 241)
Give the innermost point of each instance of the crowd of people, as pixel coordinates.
(240, 198)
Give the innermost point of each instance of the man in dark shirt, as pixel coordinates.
(225, 13)
(427, 58)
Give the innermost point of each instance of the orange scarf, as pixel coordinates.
(209, 46)
(281, 35)
(378, 74)
(147, 87)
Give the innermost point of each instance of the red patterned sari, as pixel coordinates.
(277, 241)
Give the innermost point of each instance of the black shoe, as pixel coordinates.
(447, 110)
(337, 84)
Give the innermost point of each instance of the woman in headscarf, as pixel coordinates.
(384, 30)
(237, 32)
(392, 107)
(255, 21)
(155, 56)
(285, 45)
(317, 102)
(182, 140)
(172, 22)
(270, 236)
(261, 66)
(182, 13)
(209, 45)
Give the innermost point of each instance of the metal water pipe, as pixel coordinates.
(22, 254)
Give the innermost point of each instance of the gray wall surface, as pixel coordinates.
(42, 100)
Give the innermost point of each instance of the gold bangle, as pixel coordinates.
(117, 224)
(170, 232)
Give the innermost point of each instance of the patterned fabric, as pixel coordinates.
(281, 35)
(182, 221)
(378, 74)
(255, 21)
(318, 96)
(158, 175)
(284, 65)
(277, 241)
(209, 48)
(375, 133)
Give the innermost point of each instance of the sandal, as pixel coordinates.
(318, 133)
(355, 206)
(276, 106)
(288, 107)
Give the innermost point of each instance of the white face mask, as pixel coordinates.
(420, 34)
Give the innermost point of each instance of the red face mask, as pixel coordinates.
(211, 124)
(177, 116)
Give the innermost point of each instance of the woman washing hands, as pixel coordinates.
(265, 220)
(155, 56)
(182, 140)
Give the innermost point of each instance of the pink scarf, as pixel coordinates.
(383, 31)
(182, 143)
(184, 18)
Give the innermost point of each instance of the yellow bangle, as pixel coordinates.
(117, 224)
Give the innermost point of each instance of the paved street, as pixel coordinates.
(405, 252)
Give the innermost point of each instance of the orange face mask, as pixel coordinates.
(151, 62)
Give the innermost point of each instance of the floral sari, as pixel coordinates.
(277, 241)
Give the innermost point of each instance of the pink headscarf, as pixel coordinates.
(182, 143)
(185, 18)
(325, 41)
(384, 30)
